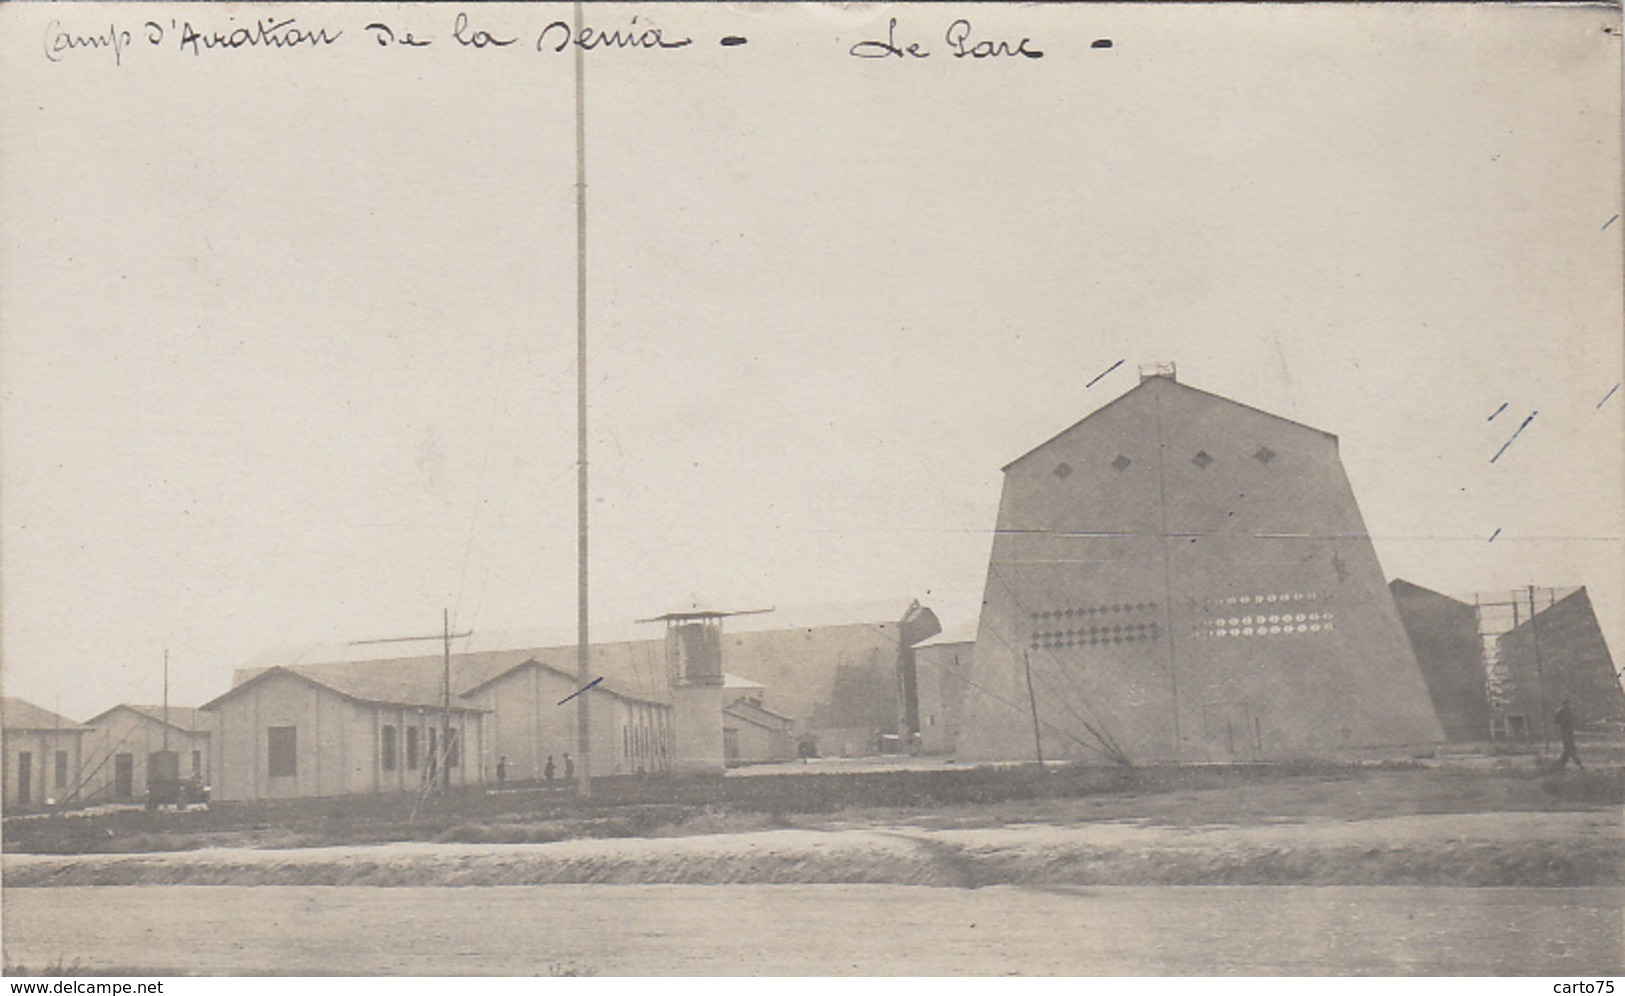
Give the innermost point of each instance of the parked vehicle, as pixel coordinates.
(166, 787)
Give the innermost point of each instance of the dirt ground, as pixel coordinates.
(818, 930)
(1465, 866)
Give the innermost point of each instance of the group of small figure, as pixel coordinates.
(1564, 720)
(548, 771)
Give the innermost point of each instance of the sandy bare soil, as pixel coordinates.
(819, 930)
(1467, 868)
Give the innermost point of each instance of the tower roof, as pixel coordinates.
(1167, 384)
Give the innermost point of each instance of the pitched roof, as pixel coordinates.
(183, 718)
(367, 690)
(1164, 384)
(633, 670)
(18, 714)
(796, 665)
(756, 715)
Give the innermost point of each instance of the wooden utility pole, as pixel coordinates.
(166, 704)
(56, 733)
(442, 751)
(1032, 701)
(583, 740)
(1540, 676)
(445, 702)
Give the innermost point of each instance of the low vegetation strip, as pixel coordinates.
(934, 799)
(1475, 850)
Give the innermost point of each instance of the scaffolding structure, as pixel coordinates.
(1498, 614)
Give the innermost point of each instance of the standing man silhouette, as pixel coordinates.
(1565, 729)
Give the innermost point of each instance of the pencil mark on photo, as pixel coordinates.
(587, 687)
(1515, 435)
(1610, 394)
(1103, 373)
(1497, 411)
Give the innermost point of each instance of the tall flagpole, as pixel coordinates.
(166, 701)
(445, 703)
(583, 740)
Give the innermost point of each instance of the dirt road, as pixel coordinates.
(1360, 876)
(820, 929)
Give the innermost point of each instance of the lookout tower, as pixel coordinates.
(694, 674)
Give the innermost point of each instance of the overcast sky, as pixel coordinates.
(287, 337)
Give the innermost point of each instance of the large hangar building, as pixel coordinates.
(1500, 666)
(1180, 577)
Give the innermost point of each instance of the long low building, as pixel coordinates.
(43, 754)
(371, 726)
(751, 732)
(287, 733)
(124, 749)
(531, 713)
